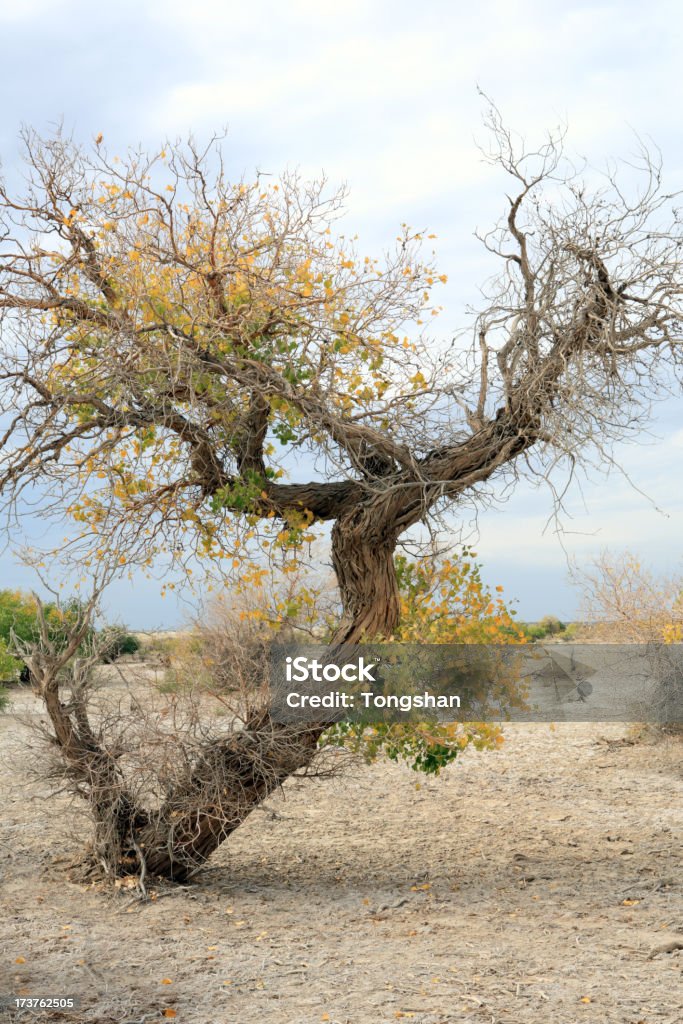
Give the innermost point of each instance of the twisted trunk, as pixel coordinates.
(234, 775)
(239, 774)
(363, 548)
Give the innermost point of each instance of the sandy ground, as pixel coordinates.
(538, 884)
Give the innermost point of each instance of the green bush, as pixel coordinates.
(19, 618)
(118, 642)
(9, 667)
(9, 672)
(549, 625)
(552, 625)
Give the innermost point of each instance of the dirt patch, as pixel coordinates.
(542, 883)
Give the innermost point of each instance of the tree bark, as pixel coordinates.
(236, 776)
(363, 546)
(233, 776)
(232, 779)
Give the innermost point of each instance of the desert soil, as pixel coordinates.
(542, 883)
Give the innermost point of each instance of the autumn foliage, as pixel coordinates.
(443, 601)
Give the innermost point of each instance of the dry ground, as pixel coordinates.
(538, 884)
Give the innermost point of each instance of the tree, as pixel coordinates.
(174, 344)
(19, 622)
(623, 601)
(9, 669)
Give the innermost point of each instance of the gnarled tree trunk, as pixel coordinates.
(363, 557)
(239, 774)
(232, 776)
(231, 779)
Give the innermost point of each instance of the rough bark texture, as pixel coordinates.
(233, 776)
(245, 770)
(363, 559)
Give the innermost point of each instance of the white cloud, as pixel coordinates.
(383, 95)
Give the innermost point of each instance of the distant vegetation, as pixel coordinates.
(549, 625)
(117, 643)
(19, 622)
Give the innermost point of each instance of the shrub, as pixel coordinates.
(117, 643)
(9, 672)
(552, 625)
(18, 617)
(9, 667)
(549, 625)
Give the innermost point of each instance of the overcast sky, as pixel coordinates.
(382, 96)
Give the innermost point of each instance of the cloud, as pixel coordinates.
(383, 95)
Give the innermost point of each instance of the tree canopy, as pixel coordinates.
(176, 345)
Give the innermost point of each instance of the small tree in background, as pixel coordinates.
(9, 671)
(624, 601)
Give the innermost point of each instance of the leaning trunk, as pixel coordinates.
(234, 775)
(230, 780)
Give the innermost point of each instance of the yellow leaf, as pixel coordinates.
(629, 903)
(168, 1012)
(585, 999)
(166, 981)
(20, 960)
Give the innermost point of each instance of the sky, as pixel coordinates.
(383, 96)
